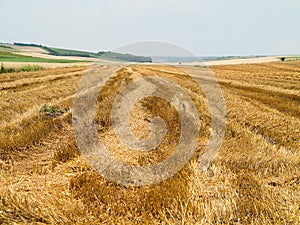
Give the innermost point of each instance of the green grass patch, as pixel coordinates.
(49, 109)
(26, 68)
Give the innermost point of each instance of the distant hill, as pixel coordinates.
(101, 54)
(9, 54)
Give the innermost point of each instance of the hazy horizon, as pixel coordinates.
(214, 28)
(147, 55)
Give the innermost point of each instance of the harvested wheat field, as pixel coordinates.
(253, 180)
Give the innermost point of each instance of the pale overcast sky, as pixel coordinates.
(206, 27)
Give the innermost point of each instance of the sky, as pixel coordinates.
(204, 27)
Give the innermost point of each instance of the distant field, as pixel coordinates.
(6, 56)
(253, 180)
(293, 58)
(5, 46)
